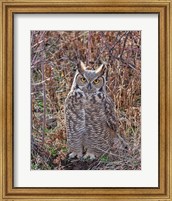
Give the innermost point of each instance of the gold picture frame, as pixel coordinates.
(10, 7)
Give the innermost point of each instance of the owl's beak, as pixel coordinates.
(89, 86)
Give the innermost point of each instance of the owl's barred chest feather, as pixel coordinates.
(87, 121)
(90, 103)
(88, 109)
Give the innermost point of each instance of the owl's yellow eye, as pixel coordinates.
(83, 79)
(96, 81)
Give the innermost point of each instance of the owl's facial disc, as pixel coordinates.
(89, 82)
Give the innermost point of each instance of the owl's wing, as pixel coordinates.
(110, 113)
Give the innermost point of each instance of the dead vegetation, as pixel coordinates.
(54, 56)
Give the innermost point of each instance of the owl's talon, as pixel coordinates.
(90, 156)
(72, 155)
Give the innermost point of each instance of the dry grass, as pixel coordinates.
(54, 56)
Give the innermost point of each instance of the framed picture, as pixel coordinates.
(85, 100)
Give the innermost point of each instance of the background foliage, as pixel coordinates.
(54, 57)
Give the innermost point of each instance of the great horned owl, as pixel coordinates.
(89, 114)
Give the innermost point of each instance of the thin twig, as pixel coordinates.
(125, 40)
(44, 92)
(89, 48)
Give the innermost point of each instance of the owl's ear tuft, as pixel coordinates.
(101, 70)
(81, 67)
